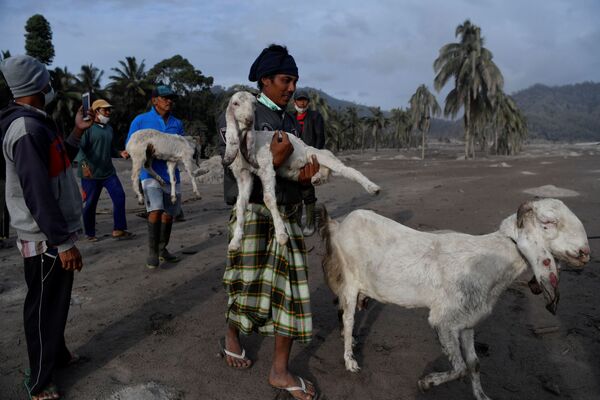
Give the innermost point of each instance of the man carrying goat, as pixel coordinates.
(158, 204)
(266, 282)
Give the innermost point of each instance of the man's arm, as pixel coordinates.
(73, 141)
(31, 161)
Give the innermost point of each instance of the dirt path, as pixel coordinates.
(158, 330)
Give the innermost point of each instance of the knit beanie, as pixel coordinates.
(274, 59)
(24, 75)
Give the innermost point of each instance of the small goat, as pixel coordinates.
(459, 277)
(147, 144)
(255, 158)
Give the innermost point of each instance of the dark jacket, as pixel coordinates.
(287, 192)
(313, 133)
(41, 191)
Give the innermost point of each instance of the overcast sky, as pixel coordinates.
(371, 52)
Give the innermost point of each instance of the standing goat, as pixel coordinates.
(459, 277)
(255, 158)
(147, 144)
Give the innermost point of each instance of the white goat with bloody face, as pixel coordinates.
(459, 277)
(248, 152)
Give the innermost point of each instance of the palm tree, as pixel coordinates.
(67, 98)
(130, 81)
(423, 106)
(402, 121)
(475, 75)
(353, 122)
(319, 104)
(376, 122)
(509, 125)
(88, 80)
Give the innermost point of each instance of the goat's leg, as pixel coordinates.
(136, 167)
(188, 167)
(171, 170)
(467, 343)
(449, 339)
(266, 173)
(152, 172)
(330, 161)
(244, 183)
(348, 303)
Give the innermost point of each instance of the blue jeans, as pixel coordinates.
(91, 193)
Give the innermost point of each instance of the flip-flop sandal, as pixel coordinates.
(125, 235)
(301, 388)
(226, 353)
(50, 392)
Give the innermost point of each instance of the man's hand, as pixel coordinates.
(308, 171)
(281, 148)
(71, 259)
(124, 154)
(80, 124)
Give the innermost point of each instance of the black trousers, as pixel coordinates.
(45, 316)
(308, 195)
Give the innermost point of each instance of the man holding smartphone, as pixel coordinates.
(44, 203)
(158, 204)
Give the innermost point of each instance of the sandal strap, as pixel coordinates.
(301, 388)
(234, 355)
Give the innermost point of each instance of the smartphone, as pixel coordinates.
(85, 98)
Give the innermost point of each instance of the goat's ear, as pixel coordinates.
(524, 212)
(250, 147)
(533, 247)
(232, 139)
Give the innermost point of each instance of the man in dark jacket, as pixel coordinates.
(266, 283)
(44, 203)
(312, 132)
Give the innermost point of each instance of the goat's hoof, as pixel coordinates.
(173, 200)
(373, 189)
(233, 246)
(316, 181)
(282, 239)
(352, 365)
(161, 181)
(140, 201)
(423, 385)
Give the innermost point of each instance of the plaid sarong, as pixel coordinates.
(267, 283)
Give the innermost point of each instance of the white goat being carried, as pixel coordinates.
(256, 158)
(459, 277)
(182, 151)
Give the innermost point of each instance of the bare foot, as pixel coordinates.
(287, 380)
(237, 355)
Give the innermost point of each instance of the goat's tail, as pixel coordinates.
(332, 262)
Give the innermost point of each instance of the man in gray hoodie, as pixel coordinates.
(44, 203)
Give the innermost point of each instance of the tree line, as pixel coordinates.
(492, 121)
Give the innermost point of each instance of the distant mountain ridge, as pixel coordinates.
(555, 113)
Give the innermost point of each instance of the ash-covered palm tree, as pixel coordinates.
(402, 121)
(423, 106)
(475, 76)
(509, 125)
(353, 124)
(318, 103)
(377, 122)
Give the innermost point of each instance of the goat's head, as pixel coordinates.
(240, 127)
(547, 232)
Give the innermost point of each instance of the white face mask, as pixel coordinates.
(48, 97)
(300, 110)
(102, 119)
